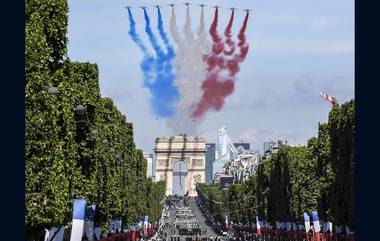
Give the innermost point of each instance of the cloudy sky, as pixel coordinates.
(297, 49)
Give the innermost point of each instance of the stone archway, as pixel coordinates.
(180, 162)
(180, 177)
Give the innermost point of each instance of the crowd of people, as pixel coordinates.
(180, 223)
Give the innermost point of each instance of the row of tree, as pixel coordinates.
(318, 176)
(77, 144)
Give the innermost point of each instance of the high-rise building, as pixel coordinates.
(210, 158)
(273, 147)
(268, 145)
(149, 167)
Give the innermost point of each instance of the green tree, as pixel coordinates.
(72, 154)
(342, 133)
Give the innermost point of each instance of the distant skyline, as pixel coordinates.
(297, 49)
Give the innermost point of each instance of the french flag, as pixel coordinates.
(226, 222)
(258, 226)
(146, 223)
(317, 227)
(79, 212)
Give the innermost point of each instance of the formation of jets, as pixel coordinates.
(188, 4)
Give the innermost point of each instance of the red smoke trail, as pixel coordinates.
(213, 59)
(215, 87)
(228, 34)
(233, 64)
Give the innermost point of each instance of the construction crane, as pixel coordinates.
(330, 99)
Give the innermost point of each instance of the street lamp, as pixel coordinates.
(53, 91)
(80, 109)
(94, 132)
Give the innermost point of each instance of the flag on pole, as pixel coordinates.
(79, 210)
(98, 231)
(317, 228)
(146, 221)
(306, 217)
(288, 226)
(226, 222)
(89, 221)
(258, 226)
(277, 225)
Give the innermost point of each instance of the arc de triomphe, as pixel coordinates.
(180, 162)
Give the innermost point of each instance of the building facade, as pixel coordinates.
(149, 167)
(243, 166)
(210, 159)
(273, 147)
(246, 146)
(181, 163)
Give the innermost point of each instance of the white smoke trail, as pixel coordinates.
(190, 72)
(173, 29)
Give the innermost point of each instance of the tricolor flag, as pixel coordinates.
(79, 211)
(306, 217)
(98, 231)
(54, 234)
(258, 226)
(146, 222)
(278, 225)
(117, 221)
(89, 221)
(226, 222)
(317, 228)
(288, 226)
(329, 226)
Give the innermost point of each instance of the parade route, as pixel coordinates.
(184, 220)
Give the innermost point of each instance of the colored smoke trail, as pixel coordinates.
(234, 64)
(228, 34)
(187, 29)
(132, 32)
(214, 60)
(147, 64)
(218, 86)
(190, 72)
(160, 27)
(163, 91)
(202, 42)
(173, 28)
(217, 40)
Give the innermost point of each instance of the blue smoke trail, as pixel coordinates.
(164, 92)
(157, 77)
(161, 30)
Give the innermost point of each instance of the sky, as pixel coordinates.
(297, 49)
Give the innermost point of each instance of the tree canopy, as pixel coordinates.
(71, 153)
(316, 177)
